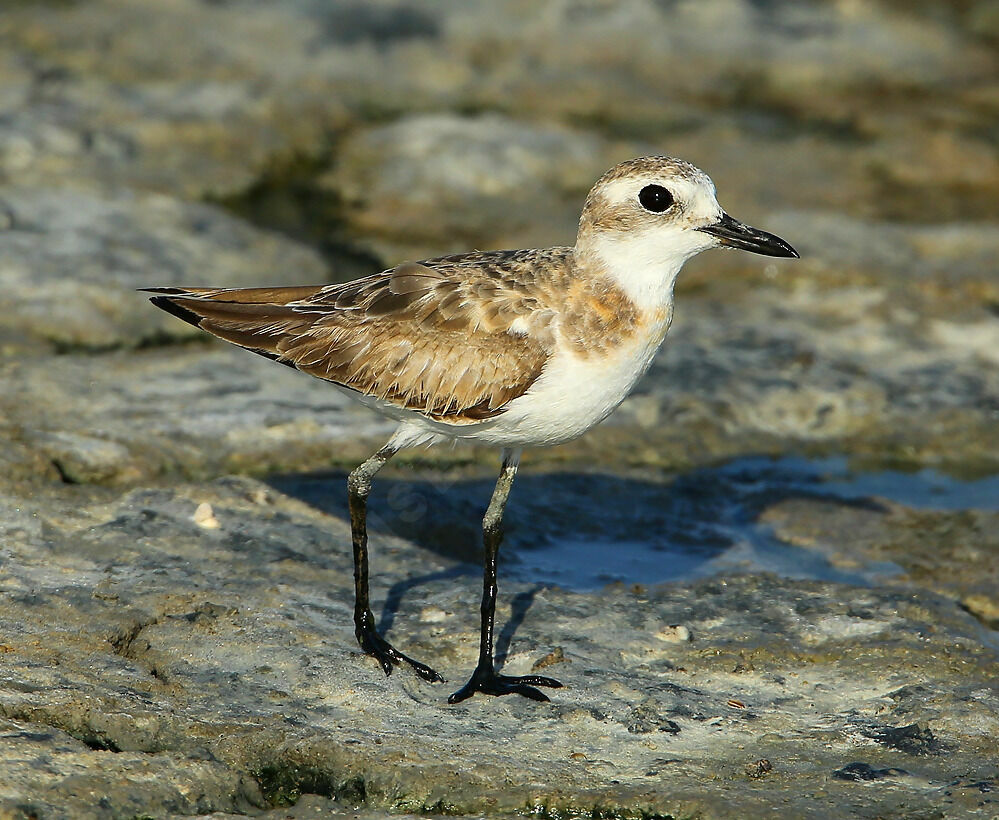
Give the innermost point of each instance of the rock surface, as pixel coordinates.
(176, 641)
(70, 263)
(191, 97)
(952, 553)
(220, 660)
(187, 410)
(432, 184)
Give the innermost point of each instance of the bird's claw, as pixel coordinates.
(486, 680)
(388, 656)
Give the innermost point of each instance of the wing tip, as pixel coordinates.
(173, 306)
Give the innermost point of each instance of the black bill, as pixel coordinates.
(733, 234)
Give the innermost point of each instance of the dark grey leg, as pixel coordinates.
(485, 679)
(358, 488)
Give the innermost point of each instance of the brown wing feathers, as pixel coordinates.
(409, 336)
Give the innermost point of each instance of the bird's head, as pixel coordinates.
(645, 217)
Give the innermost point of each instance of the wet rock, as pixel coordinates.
(48, 772)
(864, 771)
(912, 739)
(306, 807)
(225, 658)
(955, 553)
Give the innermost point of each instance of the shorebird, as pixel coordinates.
(512, 349)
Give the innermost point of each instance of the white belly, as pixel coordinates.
(571, 396)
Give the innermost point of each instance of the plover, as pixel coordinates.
(513, 349)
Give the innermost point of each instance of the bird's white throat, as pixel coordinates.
(645, 266)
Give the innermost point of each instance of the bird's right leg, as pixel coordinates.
(358, 488)
(485, 678)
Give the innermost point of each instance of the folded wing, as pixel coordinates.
(457, 349)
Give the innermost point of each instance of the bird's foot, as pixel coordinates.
(386, 654)
(486, 680)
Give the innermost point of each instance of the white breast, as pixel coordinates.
(572, 394)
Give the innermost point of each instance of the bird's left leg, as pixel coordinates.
(358, 489)
(485, 678)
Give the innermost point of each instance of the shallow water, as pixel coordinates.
(716, 513)
(582, 531)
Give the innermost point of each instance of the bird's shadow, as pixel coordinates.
(519, 606)
(398, 590)
(580, 529)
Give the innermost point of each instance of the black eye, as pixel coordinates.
(655, 198)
